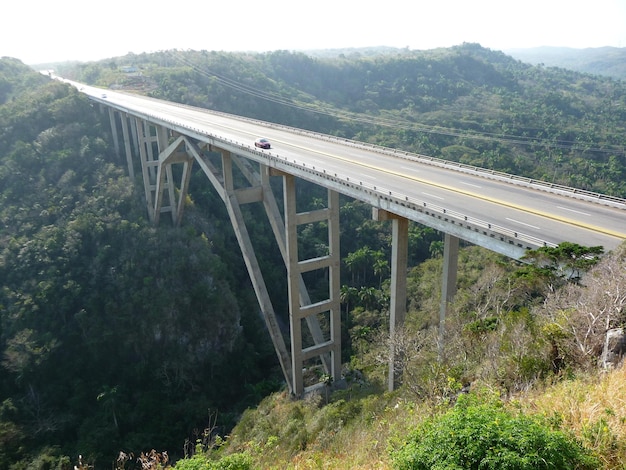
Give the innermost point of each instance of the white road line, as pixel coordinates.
(432, 195)
(572, 210)
(522, 223)
(470, 184)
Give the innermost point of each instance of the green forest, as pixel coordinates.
(467, 104)
(607, 61)
(118, 337)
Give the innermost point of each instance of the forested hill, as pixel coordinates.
(114, 335)
(466, 103)
(608, 61)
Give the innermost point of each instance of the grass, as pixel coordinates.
(593, 408)
(357, 429)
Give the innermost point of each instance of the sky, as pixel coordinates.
(41, 31)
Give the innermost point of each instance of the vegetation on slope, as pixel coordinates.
(367, 431)
(113, 334)
(119, 336)
(608, 61)
(466, 103)
(531, 373)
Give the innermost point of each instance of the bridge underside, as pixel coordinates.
(314, 323)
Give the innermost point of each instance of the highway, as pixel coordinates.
(519, 206)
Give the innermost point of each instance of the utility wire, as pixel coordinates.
(387, 122)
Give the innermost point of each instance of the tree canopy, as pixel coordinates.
(465, 103)
(116, 335)
(113, 333)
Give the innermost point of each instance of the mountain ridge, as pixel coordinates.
(607, 61)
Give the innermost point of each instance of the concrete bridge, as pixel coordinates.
(501, 212)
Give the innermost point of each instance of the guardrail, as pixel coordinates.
(450, 216)
(464, 221)
(554, 188)
(567, 191)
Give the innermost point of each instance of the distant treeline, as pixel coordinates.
(466, 103)
(116, 335)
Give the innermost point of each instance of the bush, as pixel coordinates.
(482, 436)
(238, 461)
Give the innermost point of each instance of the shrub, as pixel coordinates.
(238, 461)
(485, 436)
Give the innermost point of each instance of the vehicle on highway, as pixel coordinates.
(104, 95)
(263, 143)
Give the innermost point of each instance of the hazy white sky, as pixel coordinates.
(37, 31)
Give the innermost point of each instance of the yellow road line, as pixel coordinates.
(460, 191)
(477, 196)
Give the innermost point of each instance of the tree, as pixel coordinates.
(380, 267)
(348, 295)
(579, 315)
(370, 298)
(109, 327)
(357, 262)
(567, 261)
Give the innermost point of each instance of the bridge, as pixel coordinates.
(501, 212)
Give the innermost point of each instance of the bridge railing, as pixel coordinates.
(554, 188)
(433, 210)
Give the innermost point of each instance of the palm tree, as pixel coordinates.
(368, 297)
(358, 261)
(348, 295)
(381, 267)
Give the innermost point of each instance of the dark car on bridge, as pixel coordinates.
(262, 143)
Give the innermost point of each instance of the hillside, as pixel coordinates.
(466, 103)
(113, 334)
(362, 432)
(495, 363)
(607, 61)
(117, 336)
(494, 367)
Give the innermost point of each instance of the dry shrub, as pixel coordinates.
(594, 408)
(578, 316)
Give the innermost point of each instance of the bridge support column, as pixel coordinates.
(149, 163)
(116, 141)
(397, 307)
(448, 285)
(232, 205)
(127, 140)
(134, 130)
(328, 308)
(259, 179)
(127, 146)
(157, 159)
(328, 349)
(156, 168)
(278, 227)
